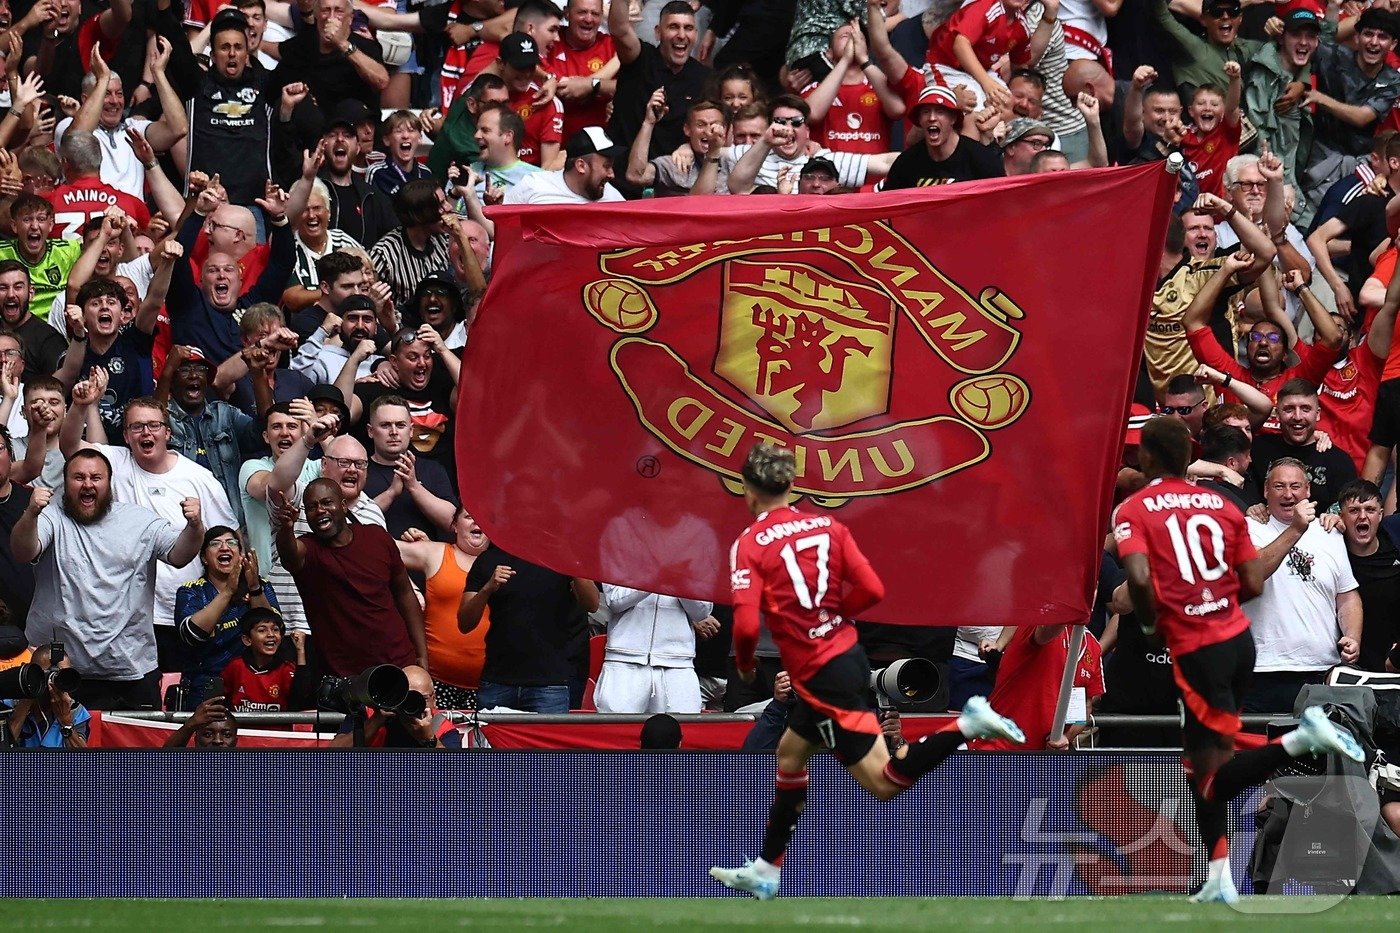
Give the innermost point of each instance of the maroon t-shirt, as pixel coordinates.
(354, 621)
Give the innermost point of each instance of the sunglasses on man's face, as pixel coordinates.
(791, 121)
(1182, 410)
(1256, 337)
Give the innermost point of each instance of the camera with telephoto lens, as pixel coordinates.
(906, 682)
(383, 687)
(29, 681)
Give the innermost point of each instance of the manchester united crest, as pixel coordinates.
(805, 356)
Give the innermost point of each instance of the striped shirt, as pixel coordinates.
(850, 165)
(402, 267)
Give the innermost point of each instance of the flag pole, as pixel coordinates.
(1076, 647)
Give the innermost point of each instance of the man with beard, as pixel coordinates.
(1375, 562)
(148, 473)
(340, 276)
(946, 156)
(437, 302)
(1298, 409)
(203, 314)
(356, 207)
(210, 432)
(358, 597)
(588, 167)
(1354, 91)
(329, 353)
(413, 493)
(646, 67)
(95, 579)
(42, 346)
(230, 123)
(427, 380)
(1268, 343)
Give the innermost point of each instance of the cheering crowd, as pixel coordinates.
(236, 294)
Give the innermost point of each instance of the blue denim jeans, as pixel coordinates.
(547, 699)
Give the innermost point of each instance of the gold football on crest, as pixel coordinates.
(619, 304)
(992, 401)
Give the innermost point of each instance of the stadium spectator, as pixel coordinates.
(404, 255)
(412, 493)
(588, 168)
(253, 379)
(1028, 683)
(456, 142)
(586, 65)
(41, 344)
(356, 207)
(972, 669)
(543, 123)
(231, 115)
(209, 610)
(340, 275)
(1375, 563)
(102, 615)
(1197, 60)
(705, 129)
(772, 721)
(330, 63)
(1277, 80)
(649, 659)
(646, 67)
(55, 719)
(401, 134)
(1224, 465)
(661, 732)
(316, 239)
(785, 144)
(456, 658)
(342, 348)
(261, 678)
(1328, 470)
(48, 260)
(426, 373)
(946, 155)
(83, 194)
(1308, 616)
(16, 577)
(211, 725)
(148, 473)
(355, 589)
(533, 627)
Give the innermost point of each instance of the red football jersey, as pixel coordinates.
(250, 690)
(856, 121)
(1348, 399)
(807, 575)
(1194, 539)
(985, 24)
(542, 124)
(74, 205)
(1028, 684)
(1208, 153)
(565, 61)
(452, 77)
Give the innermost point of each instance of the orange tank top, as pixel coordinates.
(455, 658)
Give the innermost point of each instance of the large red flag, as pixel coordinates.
(952, 367)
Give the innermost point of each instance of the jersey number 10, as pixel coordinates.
(1190, 549)
(822, 543)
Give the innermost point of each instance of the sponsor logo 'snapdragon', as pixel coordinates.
(807, 341)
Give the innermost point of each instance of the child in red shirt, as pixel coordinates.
(1213, 138)
(260, 680)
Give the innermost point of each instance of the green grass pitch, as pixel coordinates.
(619, 915)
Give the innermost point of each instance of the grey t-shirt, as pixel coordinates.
(94, 586)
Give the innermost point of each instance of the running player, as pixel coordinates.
(809, 578)
(1190, 565)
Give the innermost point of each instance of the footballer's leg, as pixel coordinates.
(761, 878)
(886, 776)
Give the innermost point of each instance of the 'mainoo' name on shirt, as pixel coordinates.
(786, 529)
(1166, 501)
